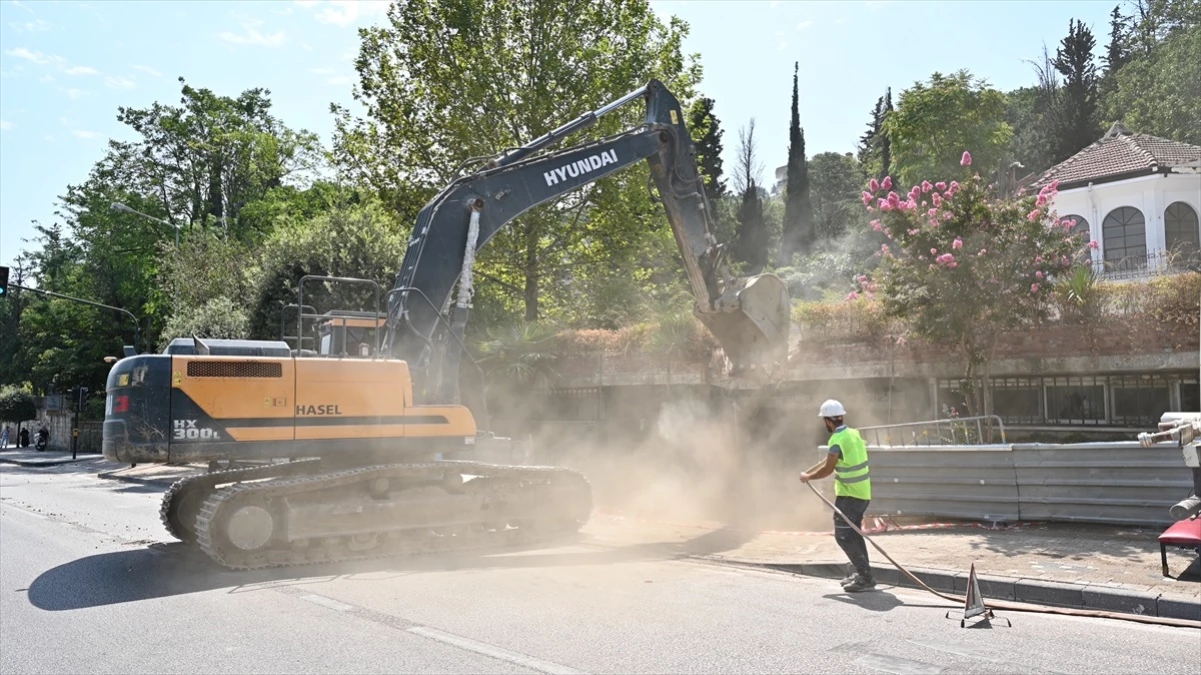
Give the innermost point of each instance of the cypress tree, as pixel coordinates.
(798, 231)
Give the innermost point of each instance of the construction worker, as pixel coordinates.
(847, 460)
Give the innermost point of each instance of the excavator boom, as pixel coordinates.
(749, 316)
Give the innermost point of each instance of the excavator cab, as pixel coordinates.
(342, 334)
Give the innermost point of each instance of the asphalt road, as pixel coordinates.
(90, 583)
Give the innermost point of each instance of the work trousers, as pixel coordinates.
(850, 541)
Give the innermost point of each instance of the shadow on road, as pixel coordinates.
(876, 601)
(165, 570)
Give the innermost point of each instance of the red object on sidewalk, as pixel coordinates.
(1185, 533)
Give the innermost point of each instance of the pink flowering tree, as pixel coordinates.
(961, 267)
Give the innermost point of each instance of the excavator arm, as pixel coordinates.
(749, 316)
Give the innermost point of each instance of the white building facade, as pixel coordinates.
(1138, 197)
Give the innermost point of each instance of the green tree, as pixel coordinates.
(836, 180)
(875, 149)
(16, 405)
(948, 243)
(219, 318)
(446, 80)
(1117, 52)
(200, 163)
(935, 120)
(365, 241)
(707, 132)
(1033, 141)
(1160, 94)
(798, 232)
(752, 241)
(1074, 61)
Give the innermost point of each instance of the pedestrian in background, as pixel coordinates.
(847, 460)
(4, 438)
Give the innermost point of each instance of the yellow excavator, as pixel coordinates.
(350, 438)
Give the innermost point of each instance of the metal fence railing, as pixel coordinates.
(951, 431)
(1119, 483)
(1153, 263)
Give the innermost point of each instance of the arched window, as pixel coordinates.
(1181, 232)
(1124, 232)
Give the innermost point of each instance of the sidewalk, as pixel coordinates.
(30, 457)
(1099, 567)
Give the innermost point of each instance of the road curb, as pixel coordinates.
(1031, 591)
(157, 482)
(36, 463)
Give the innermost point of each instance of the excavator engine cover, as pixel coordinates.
(751, 321)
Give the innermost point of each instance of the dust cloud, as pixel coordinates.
(688, 465)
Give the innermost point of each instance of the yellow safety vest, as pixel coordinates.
(851, 474)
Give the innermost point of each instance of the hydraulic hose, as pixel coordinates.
(1004, 604)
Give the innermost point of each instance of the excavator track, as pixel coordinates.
(183, 500)
(388, 511)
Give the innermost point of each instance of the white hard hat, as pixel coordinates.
(832, 408)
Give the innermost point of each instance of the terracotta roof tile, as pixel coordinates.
(1120, 152)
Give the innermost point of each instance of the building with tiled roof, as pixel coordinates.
(1137, 196)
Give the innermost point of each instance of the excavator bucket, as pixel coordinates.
(751, 321)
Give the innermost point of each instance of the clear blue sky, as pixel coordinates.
(65, 67)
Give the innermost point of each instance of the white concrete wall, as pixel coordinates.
(1149, 194)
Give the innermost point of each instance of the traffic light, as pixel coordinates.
(3, 282)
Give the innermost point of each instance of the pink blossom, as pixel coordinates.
(933, 251)
(886, 183)
(870, 209)
(1093, 244)
(862, 278)
(944, 259)
(947, 216)
(953, 264)
(877, 226)
(1054, 185)
(1063, 260)
(1033, 215)
(982, 252)
(914, 233)
(1034, 288)
(915, 192)
(1038, 259)
(852, 296)
(910, 205)
(874, 185)
(926, 186)
(883, 205)
(937, 199)
(901, 340)
(940, 185)
(884, 249)
(954, 186)
(1068, 223)
(967, 159)
(1041, 201)
(893, 200)
(957, 244)
(1038, 275)
(867, 198)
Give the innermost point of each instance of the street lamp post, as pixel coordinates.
(121, 208)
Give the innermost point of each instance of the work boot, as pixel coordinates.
(860, 584)
(849, 578)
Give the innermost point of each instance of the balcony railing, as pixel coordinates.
(1154, 263)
